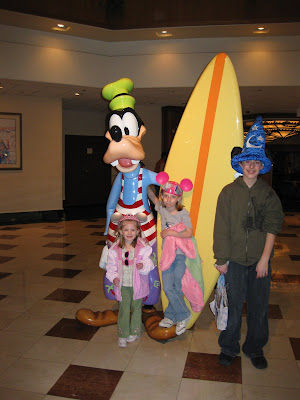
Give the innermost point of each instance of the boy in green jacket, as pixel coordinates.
(248, 217)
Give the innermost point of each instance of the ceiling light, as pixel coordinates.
(163, 34)
(280, 128)
(77, 94)
(261, 29)
(61, 28)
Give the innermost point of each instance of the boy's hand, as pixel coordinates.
(222, 268)
(116, 282)
(139, 265)
(262, 268)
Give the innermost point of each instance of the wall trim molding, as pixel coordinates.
(31, 217)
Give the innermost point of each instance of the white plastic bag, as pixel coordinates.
(103, 258)
(219, 306)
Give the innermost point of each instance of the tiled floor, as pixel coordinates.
(48, 271)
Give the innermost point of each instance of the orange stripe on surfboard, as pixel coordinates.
(206, 136)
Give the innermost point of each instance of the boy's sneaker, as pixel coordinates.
(122, 342)
(259, 362)
(132, 338)
(225, 360)
(181, 325)
(166, 323)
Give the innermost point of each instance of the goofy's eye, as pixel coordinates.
(116, 120)
(131, 126)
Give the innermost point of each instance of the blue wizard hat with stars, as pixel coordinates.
(254, 148)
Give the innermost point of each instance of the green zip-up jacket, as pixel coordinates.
(244, 216)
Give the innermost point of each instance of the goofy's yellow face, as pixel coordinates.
(125, 131)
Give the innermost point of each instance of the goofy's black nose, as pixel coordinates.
(115, 133)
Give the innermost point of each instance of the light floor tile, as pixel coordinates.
(158, 361)
(33, 324)
(280, 373)
(99, 355)
(205, 341)
(51, 308)
(17, 303)
(293, 328)
(279, 347)
(193, 389)
(135, 386)
(37, 376)
(16, 343)
(55, 349)
(6, 317)
(11, 394)
(6, 361)
(269, 393)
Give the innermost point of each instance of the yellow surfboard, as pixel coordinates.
(210, 127)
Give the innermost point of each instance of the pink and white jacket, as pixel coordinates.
(190, 287)
(114, 269)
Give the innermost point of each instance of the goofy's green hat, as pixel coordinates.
(118, 94)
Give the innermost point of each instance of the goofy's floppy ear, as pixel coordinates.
(115, 218)
(141, 217)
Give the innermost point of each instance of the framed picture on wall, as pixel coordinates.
(10, 141)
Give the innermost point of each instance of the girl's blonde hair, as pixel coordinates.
(178, 205)
(119, 236)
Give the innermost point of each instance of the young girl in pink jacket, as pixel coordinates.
(128, 267)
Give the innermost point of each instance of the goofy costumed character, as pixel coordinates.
(129, 190)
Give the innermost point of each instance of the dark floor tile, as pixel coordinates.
(97, 233)
(295, 343)
(9, 237)
(55, 235)
(285, 278)
(286, 235)
(57, 245)
(2, 296)
(7, 246)
(67, 295)
(101, 243)
(4, 274)
(10, 228)
(63, 273)
(295, 257)
(4, 259)
(274, 311)
(59, 257)
(205, 367)
(54, 227)
(86, 383)
(95, 226)
(72, 329)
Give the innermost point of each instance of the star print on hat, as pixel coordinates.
(254, 148)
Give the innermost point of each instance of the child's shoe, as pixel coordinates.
(166, 323)
(132, 338)
(122, 342)
(181, 325)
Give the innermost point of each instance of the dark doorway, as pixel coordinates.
(87, 177)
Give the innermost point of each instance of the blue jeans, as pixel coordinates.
(242, 285)
(177, 310)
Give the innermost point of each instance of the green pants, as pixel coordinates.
(127, 326)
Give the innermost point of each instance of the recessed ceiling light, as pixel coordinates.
(163, 34)
(77, 94)
(261, 29)
(1, 87)
(61, 28)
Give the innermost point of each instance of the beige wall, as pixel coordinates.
(38, 186)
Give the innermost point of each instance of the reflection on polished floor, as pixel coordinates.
(49, 270)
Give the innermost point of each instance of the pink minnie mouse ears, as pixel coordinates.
(173, 187)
